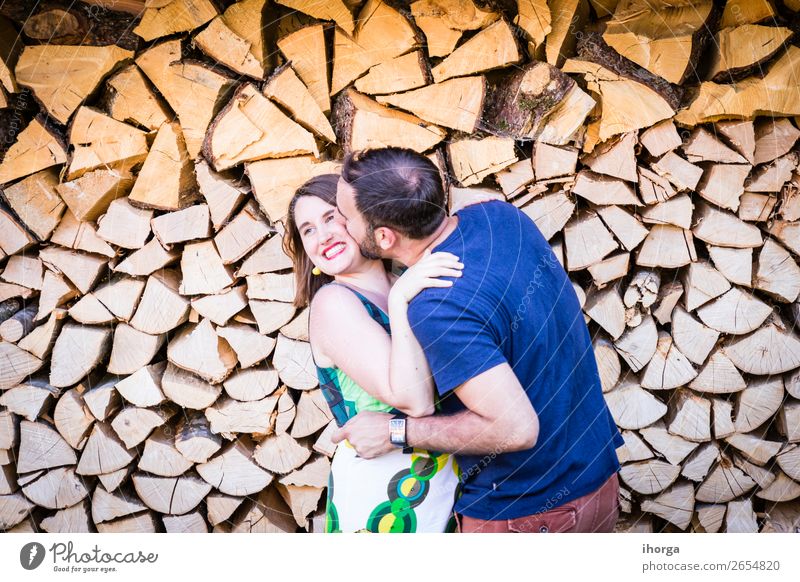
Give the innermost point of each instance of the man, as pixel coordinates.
(522, 406)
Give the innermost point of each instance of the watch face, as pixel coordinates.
(397, 431)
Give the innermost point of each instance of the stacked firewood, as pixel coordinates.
(155, 375)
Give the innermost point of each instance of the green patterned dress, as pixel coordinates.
(403, 491)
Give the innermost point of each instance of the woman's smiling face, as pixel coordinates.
(325, 238)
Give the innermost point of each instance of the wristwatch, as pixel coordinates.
(397, 431)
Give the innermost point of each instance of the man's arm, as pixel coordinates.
(499, 418)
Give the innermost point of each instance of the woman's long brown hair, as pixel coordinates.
(324, 188)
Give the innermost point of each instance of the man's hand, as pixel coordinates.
(368, 432)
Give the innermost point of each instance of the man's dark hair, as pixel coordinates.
(397, 188)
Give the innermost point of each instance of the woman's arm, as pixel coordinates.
(392, 369)
(408, 367)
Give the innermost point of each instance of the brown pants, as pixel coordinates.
(595, 512)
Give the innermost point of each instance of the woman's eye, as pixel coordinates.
(330, 218)
(307, 231)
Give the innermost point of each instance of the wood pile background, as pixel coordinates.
(154, 375)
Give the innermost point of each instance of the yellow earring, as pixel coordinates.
(316, 271)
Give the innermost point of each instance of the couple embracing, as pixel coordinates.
(465, 390)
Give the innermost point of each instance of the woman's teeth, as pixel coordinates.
(334, 250)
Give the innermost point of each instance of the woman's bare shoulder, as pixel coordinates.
(334, 310)
(334, 295)
(330, 304)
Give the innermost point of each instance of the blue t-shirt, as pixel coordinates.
(515, 304)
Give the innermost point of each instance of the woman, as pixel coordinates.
(362, 367)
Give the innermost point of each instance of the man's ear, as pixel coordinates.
(385, 238)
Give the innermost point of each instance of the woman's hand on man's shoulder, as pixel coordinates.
(427, 272)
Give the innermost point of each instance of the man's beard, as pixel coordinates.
(368, 247)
